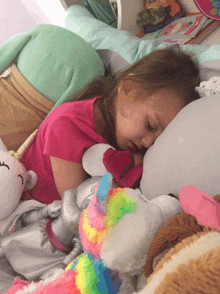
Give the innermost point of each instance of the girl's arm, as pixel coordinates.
(67, 175)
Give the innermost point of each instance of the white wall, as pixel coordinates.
(21, 15)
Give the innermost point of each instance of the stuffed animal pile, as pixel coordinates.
(118, 232)
(88, 273)
(115, 232)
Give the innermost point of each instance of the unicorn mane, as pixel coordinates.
(95, 222)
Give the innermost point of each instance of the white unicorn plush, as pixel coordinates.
(14, 179)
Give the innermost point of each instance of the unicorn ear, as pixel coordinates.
(31, 180)
(102, 192)
(2, 145)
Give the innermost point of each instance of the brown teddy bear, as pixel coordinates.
(183, 258)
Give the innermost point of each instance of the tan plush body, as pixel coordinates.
(192, 264)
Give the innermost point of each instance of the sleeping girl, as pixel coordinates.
(128, 112)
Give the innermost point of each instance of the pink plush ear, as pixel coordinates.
(201, 205)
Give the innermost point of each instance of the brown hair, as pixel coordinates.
(162, 69)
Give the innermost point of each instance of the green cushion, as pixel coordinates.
(55, 61)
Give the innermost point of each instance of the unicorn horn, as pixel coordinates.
(21, 150)
(102, 192)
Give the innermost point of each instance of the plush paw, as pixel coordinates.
(54, 208)
(93, 160)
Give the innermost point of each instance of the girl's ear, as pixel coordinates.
(125, 94)
(129, 90)
(2, 145)
(31, 180)
(126, 86)
(128, 93)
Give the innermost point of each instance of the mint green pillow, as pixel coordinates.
(55, 61)
(102, 36)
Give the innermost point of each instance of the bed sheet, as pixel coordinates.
(102, 36)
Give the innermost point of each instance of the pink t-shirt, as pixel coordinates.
(66, 133)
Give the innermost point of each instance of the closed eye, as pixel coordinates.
(152, 123)
(4, 164)
(22, 179)
(149, 126)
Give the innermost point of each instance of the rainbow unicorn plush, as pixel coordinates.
(116, 230)
(100, 216)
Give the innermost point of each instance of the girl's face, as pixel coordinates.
(139, 123)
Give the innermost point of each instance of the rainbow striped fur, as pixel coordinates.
(94, 225)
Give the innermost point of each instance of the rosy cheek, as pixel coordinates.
(138, 134)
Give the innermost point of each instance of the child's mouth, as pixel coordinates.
(133, 147)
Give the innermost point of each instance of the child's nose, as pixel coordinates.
(148, 140)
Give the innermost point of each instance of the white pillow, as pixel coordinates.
(187, 152)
